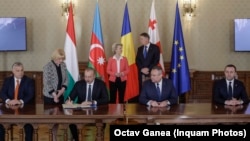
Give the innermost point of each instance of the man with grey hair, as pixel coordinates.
(18, 90)
(158, 91)
(148, 56)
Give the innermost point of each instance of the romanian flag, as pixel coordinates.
(97, 57)
(71, 55)
(132, 87)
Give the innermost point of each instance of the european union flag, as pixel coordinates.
(179, 72)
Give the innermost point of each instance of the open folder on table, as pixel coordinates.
(76, 106)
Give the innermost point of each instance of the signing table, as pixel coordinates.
(190, 113)
(55, 114)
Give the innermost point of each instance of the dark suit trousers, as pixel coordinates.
(74, 132)
(114, 86)
(2, 132)
(28, 129)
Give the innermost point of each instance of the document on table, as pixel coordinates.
(75, 106)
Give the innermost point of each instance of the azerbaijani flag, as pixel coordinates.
(132, 86)
(97, 57)
(71, 55)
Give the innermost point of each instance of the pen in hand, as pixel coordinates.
(69, 100)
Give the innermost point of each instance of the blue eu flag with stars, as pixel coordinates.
(179, 72)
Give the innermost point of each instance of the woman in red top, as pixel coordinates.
(117, 70)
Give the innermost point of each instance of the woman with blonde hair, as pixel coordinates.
(55, 78)
(55, 81)
(117, 70)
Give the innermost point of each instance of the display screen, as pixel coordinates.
(13, 34)
(242, 34)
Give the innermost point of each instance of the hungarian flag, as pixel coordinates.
(154, 34)
(70, 53)
(97, 58)
(132, 87)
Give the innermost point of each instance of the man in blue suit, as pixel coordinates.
(18, 90)
(148, 56)
(229, 91)
(158, 91)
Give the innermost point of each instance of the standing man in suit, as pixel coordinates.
(229, 91)
(148, 56)
(88, 91)
(158, 91)
(18, 90)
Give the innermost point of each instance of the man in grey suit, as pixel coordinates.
(158, 91)
(229, 91)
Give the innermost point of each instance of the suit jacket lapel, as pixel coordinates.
(235, 86)
(164, 87)
(12, 85)
(84, 91)
(94, 89)
(226, 89)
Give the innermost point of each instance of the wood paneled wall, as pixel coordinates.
(201, 82)
(36, 75)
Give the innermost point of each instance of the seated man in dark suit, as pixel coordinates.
(229, 91)
(18, 90)
(88, 91)
(158, 91)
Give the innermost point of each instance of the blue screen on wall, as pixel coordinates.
(242, 34)
(13, 34)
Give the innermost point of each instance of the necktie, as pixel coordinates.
(230, 89)
(16, 89)
(89, 94)
(145, 52)
(158, 92)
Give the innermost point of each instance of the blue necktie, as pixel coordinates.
(158, 92)
(145, 52)
(230, 90)
(89, 94)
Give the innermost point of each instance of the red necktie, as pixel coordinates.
(16, 89)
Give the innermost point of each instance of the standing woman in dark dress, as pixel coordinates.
(55, 81)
